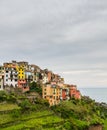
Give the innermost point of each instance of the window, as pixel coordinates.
(57, 98)
(6, 75)
(6, 79)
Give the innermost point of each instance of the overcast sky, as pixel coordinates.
(68, 37)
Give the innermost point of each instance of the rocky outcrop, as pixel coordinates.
(96, 127)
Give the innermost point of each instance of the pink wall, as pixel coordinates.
(63, 94)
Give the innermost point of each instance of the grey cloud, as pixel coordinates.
(60, 35)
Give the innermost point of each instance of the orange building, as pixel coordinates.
(51, 93)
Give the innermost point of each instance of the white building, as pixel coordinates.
(45, 79)
(11, 77)
(1, 82)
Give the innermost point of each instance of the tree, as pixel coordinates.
(36, 87)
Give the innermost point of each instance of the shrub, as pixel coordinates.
(3, 96)
(16, 113)
(25, 105)
(42, 102)
(36, 87)
(67, 125)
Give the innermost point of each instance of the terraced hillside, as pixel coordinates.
(30, 121)
(18, 113)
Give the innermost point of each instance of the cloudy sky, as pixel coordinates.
(68, 37)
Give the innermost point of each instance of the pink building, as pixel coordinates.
(49, 76)
(64, 94)
(74, 92)
(22, 84)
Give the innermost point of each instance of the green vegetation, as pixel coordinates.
(36, 87)
(8, 106)
(105, 124)
(22, 114)
(80, 114)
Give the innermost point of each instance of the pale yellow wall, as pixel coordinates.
(51, 94)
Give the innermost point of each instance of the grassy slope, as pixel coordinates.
(33, 121)
(77, 116)
(73, 114)
(8, 106)
(45, 118)
(80, 114)
(105, 124)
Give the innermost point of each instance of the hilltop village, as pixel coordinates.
(19, 75)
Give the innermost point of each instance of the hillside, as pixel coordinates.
(18, 113)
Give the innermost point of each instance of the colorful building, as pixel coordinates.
(10, 77)
(22, 82)
(51, 93)
(74, 93)
(21, 74)
(14, 75)
(1, 77)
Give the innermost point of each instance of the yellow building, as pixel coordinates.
(21, 72)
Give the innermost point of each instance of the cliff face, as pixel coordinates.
(96, 127)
